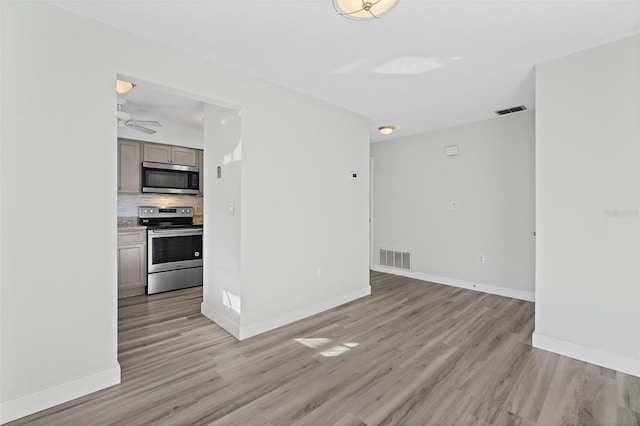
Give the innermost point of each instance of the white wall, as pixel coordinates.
(588, 183)
(58, 280)
(301, 210)
(59, 331)
(295, 213)
(492, 182)
(2, 291)
(222, 297)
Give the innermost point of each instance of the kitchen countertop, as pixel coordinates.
(129, 224)
(131, 227)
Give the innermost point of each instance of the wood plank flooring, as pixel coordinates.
(413, 353)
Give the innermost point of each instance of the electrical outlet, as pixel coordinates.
(321, 271)
(481, 258)
(198, 208)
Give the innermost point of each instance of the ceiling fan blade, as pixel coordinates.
(123, 115)
(148, 123)
(135, 126)
(144, 130)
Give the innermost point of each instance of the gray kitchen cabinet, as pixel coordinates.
(129, 153)
(201, 169)
(157, 153)
(168, 154)
(184, 156)
(132, 262)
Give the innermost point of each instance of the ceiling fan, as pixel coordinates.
(124, 120)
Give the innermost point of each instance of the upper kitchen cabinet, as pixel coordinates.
(168, 154)
(157, 153)
(129, 153)
(184, 156)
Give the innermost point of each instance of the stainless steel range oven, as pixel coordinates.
(174, 244)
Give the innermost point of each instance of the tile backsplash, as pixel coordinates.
(128, 204)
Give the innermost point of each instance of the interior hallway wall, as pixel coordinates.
(588, 188)
(59, 319)
(450, 210)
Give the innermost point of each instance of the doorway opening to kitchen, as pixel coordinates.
(178, 162)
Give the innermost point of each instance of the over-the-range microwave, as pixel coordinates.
(170, 179)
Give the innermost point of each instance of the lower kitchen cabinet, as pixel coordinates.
(132, 262)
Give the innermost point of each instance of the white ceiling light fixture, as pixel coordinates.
(386, 130)
(123, 86)
(363, 9)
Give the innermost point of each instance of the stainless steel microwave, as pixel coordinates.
(170, 179)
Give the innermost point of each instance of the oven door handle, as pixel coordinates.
(173, 232)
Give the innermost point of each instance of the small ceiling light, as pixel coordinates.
(386, 130)
(363, 9)
(123, 86)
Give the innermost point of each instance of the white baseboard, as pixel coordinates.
(222, 320)
(584, 353)
(242, 332)
(529, 296)
(38, 401)
(256, 328)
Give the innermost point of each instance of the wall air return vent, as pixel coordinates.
(511, 110)
(395, 259)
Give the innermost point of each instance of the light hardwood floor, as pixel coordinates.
(412, 353)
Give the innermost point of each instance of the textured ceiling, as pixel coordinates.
(423, 66)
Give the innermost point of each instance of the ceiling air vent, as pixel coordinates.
(511, 110)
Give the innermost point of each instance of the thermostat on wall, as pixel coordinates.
(451, 151)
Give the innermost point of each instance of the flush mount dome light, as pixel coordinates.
(363, 9)
(123, 86)
(386, 130)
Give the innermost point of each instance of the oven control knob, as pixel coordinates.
(145, 210)
(196, 254)
(188, 210)
(182, 210)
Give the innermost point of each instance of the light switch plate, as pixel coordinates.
(451, 151)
